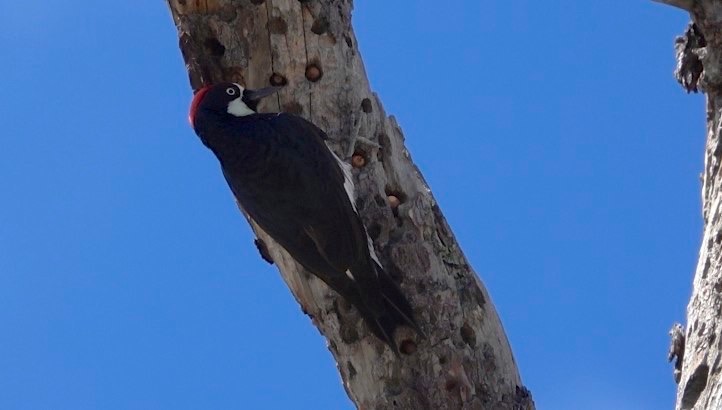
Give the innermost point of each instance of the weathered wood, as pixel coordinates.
(309, 46)
(699, 350)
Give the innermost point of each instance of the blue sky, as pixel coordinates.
(554, 136)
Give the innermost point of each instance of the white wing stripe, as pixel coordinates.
(350, 191)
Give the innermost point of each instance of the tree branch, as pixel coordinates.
(697, 349)
(310, 47)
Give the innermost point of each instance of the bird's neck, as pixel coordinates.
(216, 131)
(224, 135)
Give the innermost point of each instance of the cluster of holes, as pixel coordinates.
(313, 73)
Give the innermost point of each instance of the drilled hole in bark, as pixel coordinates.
(451, 384)
(366, 105)
(358, 159)
(257, 1)
(293, 107)
(408, 347)
(277, 80)
(398, 194)
(468, 335)
(278, 25)
(314, 72)
(214, 47)
(394, 199)
(394, 202)
(319, 26)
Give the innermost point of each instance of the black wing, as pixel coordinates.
(298, 196)
(292, 186)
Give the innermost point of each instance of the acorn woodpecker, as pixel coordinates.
(297, 190)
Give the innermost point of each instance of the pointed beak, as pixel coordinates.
(257, 95)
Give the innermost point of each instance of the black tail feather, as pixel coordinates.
(396, 311)
(381, 304)
(407, 320)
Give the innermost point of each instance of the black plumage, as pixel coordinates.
(288, 181)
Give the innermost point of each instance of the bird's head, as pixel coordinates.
(227, 98)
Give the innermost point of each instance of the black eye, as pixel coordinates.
(231, 91)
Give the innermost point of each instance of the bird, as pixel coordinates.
(294, 187)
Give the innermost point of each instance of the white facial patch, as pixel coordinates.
(237, 107)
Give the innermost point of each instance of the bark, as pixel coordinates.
(698, 350)
(309, 46)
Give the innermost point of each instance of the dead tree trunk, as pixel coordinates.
(698, 351)
(309, 46)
